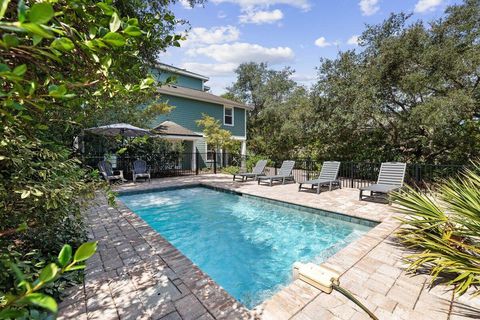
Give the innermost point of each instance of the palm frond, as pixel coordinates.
(444, 231)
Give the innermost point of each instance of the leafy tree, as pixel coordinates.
(265, 89)
(411, 93)
(413, 88)
(66, 65)
(214, 134)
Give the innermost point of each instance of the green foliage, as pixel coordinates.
(231, 170)
(214, 134)
(411, 93)
(144, 147)
(65, 65)
(444, 231)
(268, 91)
(23, 299)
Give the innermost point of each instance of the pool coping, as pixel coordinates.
(296, 291)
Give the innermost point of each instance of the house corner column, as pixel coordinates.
(243, 153)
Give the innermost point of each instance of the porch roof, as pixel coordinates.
(172, 129)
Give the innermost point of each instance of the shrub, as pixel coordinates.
(27, 299)
(231, 170)
(444, 229)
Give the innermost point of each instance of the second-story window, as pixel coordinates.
(228, 116)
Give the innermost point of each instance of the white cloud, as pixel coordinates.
(203, 36)
(221, 15)
(322, 42)
(369, 7)
(239, 52)
(353, 40)
(185, 4)
(260, 17)
(302, 77)
(211, 69)
(249, 4)
(427, 5)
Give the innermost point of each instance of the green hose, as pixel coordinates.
(350, 296)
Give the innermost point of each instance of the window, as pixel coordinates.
(228, 116)
(210, 153)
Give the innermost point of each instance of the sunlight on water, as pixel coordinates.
(245, 244)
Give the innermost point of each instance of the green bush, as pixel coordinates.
(28, 297)
(231, 170)
(444, 230)
(65, 66)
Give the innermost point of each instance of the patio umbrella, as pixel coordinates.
(123, 129)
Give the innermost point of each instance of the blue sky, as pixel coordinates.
(296, 33)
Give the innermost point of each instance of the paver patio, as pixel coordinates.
(137, 274)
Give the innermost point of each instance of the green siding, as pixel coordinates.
(180, 80)
(187, 111)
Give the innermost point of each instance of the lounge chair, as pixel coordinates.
(256, 172)
(284, 174)
(390, 179)
(140, 170)
(328, 177)
(107, 172)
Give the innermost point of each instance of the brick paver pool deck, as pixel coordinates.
(137, 274)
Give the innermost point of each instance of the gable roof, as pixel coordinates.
(185, 72)
(200, 96)
(171, 128)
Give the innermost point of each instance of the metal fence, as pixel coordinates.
(361, 174)
(351, 174)
(168, 164)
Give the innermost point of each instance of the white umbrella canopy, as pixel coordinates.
(122, 129)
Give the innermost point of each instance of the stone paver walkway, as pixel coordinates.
(138, 275)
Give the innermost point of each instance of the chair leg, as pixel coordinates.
(360, 195)
(318, 188)
(300, 187)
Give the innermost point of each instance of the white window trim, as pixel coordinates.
(206, 154)
(233, 116)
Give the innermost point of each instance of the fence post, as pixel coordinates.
(308, 166)
(197, 161)
(215, 161)
(352, 169)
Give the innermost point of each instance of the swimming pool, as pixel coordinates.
(245, 243)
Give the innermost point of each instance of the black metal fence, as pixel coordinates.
(351, 174)
(168, 164)
(361, 174)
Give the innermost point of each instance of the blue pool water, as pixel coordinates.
(245, 244)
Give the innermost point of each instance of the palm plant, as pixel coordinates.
(443, 230)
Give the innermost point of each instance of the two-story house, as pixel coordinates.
(190, 98)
